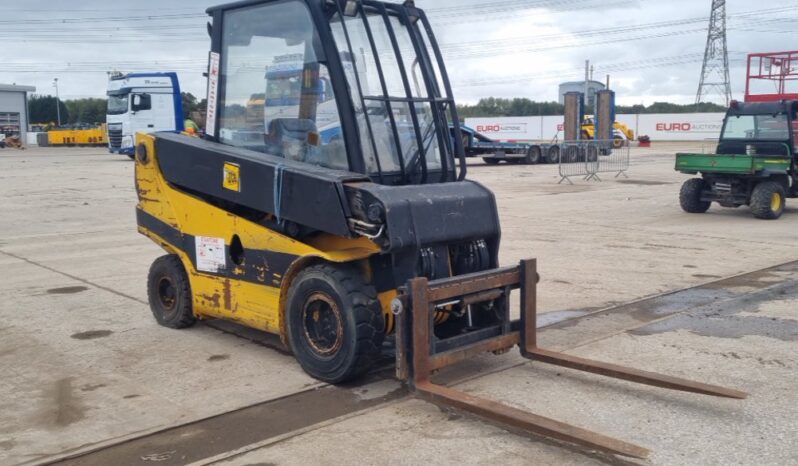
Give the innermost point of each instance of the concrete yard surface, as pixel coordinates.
(87, 369)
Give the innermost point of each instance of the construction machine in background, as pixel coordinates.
(344, 245)
(621, 133)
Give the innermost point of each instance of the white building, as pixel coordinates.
(579, 86)
(14, 110)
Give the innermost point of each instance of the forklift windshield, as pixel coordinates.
(397, 108)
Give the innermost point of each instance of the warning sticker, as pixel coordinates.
(210, 254)
(213, 93)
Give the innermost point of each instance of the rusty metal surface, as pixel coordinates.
(422, 330)
(529, 311)
(516, 418)
(482, 296)
(632, 375)
(503, 342)
(457, 287)
(416, 362)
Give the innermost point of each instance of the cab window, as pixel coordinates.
(276, 93)
(141, 102)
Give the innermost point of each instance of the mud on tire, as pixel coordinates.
(335, 322)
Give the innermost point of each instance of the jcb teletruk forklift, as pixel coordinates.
(343, 217)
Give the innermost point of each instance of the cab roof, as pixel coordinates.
(763, 108)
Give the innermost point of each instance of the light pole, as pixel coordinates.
(57, 102)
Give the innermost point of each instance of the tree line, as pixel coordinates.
(499, 107)
(90, 111)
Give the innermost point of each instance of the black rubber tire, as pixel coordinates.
(132, 157)
(168, 283)
(491, 161)
(571, 154)
(359, 317)
(553, 154)
(690, 196)
(762, 198)
(592, 153)
(618, 142)
(533, 155)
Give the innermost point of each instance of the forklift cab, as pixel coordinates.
(386, 99)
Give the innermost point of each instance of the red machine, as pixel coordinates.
(770, 77)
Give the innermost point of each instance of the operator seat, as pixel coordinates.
(288, 137)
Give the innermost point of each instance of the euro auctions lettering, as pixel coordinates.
(505, 128)
(688, 127)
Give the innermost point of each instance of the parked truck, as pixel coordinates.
(142, 102)
(492, 152)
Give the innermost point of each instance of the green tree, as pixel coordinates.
(190, 103)
(91, 110)
(42, 109)
(499, 107)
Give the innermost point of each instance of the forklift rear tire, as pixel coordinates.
(491, 161)
(335, 322)
(767, 200)
(690, 196)
(169, 293)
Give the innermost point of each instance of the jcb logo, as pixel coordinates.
(231, 177)
(674, 126)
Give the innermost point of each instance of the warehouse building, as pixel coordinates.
(14, 110)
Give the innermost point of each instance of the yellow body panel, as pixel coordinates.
(77, 137)
(259, 304)
(589, 130)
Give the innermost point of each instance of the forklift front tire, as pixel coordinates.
(335, 322)
(169, 293)
(690, 196)
(767, 200)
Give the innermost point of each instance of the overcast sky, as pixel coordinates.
(510, 48)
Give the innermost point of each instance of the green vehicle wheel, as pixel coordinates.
(767, 200)
(690, 196)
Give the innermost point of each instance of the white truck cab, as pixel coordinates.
(141, 102)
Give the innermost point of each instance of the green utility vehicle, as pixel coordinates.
(754, 164)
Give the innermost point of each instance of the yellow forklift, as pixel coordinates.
(343, 221)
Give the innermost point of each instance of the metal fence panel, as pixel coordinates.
(586, 159)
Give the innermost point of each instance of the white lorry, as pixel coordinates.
(141, 102)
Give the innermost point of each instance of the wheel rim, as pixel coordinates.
(775, 202)
(167, 293)
(323, 325)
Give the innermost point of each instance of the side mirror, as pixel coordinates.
(136, 101)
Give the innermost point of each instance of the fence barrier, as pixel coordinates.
(586, 159)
